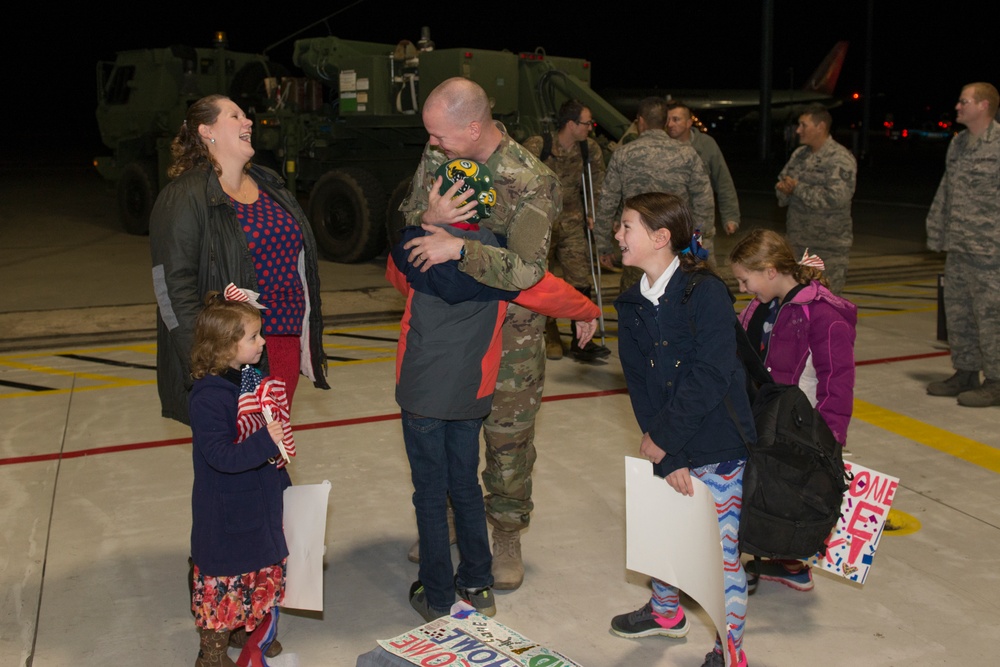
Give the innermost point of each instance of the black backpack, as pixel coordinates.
(794, 480)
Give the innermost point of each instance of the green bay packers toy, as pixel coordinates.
(477, 177)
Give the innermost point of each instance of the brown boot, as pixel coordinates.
(239, 637)
(982, 397)
(508, 569)
(413, 555)
(961, 381)
(553, 344)
(213, 649)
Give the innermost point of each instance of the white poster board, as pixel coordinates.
(305, 535)
(675, 538)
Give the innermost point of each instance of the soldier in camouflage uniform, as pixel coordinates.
(964, 221)
(562, 154)
(651, 163)
(817, 185)
(457, 118)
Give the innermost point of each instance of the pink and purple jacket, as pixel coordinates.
(812, 346)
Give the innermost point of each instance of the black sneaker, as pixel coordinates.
(418, 600)
(481, 599)
(645, 622)
(590, 352)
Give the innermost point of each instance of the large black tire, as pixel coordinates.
(347, 213)
(137, 190)
(394, 220)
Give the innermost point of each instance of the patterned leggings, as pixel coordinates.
(727, 490)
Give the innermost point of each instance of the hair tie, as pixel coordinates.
(234, 293)
(812, 260)
(695, 247)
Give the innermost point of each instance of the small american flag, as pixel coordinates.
(258, 394)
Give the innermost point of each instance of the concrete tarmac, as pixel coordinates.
(95, 485)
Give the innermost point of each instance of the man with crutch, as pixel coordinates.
(576, 159)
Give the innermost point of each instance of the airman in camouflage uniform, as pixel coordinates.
(964, 221)
(527, 202)
(569, 246)
(817, 185)
(652, 163)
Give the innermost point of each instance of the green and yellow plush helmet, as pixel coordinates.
(477, 176)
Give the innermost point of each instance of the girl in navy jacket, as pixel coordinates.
(687, 387)
(237, 542)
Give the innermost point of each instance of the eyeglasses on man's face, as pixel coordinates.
(589, 123)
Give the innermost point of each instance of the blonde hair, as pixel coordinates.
(988, 92)
(762, 249)
(219, 328)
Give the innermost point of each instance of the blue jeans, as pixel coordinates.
(444, 464)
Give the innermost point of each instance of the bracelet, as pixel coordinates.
(461, 254)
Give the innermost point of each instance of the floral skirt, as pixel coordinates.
(228, 603)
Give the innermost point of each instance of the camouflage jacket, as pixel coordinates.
(965, 213)
(819, 210)
(653, 163)
(718, 173)
(568, 167)
(527, 203)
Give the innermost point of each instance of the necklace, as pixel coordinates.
(244, 195)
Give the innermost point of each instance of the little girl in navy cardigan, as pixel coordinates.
(237, 542)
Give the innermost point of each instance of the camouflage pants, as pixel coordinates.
(708, 243)
(630, 276)
(972, 309)
(569, 249)
(835, 259)
(509, 429)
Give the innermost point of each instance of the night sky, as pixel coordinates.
(919, 60)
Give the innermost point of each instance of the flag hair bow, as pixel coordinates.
(695, 248)
(263, 400)
(234, 293)
(812, 260)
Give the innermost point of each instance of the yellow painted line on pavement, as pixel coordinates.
(904, 311)
(68, 390)
(49, 370)
(355, 362)
(960, 447)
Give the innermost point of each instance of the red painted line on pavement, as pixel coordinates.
(911, 357)
(14, 460)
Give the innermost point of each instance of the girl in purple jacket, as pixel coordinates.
(805, 336)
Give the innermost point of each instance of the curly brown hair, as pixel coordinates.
(219, 327)
(187, 148)
(763, 248)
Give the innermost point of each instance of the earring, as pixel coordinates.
(212, 140)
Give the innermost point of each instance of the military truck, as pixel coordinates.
(346, 134)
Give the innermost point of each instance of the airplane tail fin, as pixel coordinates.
(824, 79)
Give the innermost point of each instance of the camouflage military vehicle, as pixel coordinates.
(346, 134)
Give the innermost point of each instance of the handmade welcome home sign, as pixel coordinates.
(851, 546)
(464, 638)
